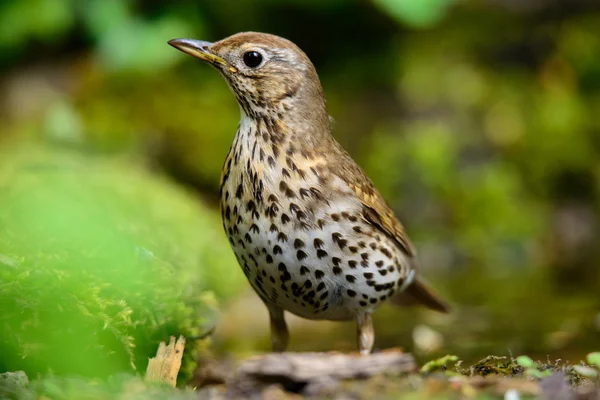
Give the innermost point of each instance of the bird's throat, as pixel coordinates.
(267, 149)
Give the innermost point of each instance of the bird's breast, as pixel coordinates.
(299, 236)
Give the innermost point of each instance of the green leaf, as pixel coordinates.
(525, 362)
(536, 373)
(103, 15)
(140, 45)
(418, 14)
(438, 364)
(44, 20)
(594, 359)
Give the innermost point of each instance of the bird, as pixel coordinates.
(309, 229)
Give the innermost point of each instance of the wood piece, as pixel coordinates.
(314, 373)
(165, 366)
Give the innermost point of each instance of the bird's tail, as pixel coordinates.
(419, 293)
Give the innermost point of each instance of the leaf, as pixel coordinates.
(103, 15)
(438, 364)
(140, 45)
(525, 362)
(594, 359)
(418, 14)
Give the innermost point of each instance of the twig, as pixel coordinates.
(165, 366)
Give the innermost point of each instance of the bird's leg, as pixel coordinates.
(279, 331)
(365, 333)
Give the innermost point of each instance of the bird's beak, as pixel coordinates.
(200, 49)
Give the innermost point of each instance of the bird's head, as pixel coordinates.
(268, 74)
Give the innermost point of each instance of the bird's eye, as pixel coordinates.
(252, 59)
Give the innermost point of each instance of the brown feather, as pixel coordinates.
(381, 216)
(419, 293)
(376, 210)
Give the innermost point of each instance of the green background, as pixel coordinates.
(477, 120)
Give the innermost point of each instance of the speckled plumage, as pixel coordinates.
(310, 231)
(299, 233)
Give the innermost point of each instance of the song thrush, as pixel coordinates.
(310, 231)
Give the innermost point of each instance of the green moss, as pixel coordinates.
(99, 261)
(440, 364)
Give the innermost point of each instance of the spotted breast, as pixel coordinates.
(298, 231)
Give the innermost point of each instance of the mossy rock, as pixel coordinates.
(100, 259)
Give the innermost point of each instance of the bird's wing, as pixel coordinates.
(375, 209)
(380, 215)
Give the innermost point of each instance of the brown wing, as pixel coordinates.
(380, 215)
(376, 210)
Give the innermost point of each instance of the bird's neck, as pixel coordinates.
(271, 147)
(290, 127)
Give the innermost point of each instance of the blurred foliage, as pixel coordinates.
(477, 120)
(121, 386)
(424, 13)
(99, 262)
(121, 38)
